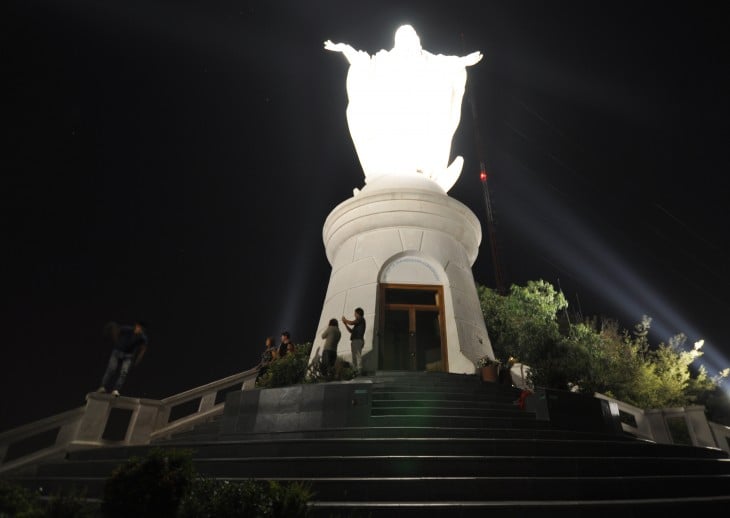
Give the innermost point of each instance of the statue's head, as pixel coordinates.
(406, 40)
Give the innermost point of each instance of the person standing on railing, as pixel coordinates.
(130, 344)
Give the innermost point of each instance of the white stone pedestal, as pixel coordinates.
(404, 230)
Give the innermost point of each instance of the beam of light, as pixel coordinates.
(556, 229)
(295, 296)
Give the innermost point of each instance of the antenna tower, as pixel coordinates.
(483, 176)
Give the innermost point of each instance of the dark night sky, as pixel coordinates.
(175, 162)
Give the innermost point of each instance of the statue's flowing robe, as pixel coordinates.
(403, 111)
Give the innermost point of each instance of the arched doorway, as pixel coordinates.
(411, 328)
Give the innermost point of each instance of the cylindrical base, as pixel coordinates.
(404, 233)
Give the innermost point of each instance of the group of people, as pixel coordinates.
(129, 343)
(332, 336)
(273, 352)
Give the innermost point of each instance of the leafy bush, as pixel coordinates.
(149, 486)
(70, 504)
(294, 369)
(18, 502)
(289, 370)
(211, 498)
(595, 356)
(341, 371)
(288, 500)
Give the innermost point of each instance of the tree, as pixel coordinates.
(524, 325)
(595, 355)
(149, 486)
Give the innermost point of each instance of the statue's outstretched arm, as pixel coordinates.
(350, 53)
(471, 59)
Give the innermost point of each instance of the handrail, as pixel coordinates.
(86, 426)
(41, 425)
(218, 384)
(207, 408)
(149, 419)
(653, 424)
(642, 428)
(66, 424)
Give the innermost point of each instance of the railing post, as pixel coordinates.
(249, 383)
(207, 401)
(143, 422)
(163, 416)
(92, 424)
(721, 435)
(658, 426)
(698, 426)
(68, 433)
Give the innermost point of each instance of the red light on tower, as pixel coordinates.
(483, 176)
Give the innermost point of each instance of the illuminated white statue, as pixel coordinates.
(404, 107)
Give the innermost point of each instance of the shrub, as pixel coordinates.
(211, 498)
(343, 370)
(289, 370)
(18, 502)
(149, 486)
(289, 500)
(69, 504)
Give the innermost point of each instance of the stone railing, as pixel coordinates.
(107, 421)
(681, 425)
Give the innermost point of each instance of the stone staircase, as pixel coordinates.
(441, 445)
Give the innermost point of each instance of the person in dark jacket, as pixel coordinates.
(356, 328)
(286, 344)
(130, 344)
(268, 356)
(331, 337)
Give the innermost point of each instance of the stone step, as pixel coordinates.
(425, 376)
(435, 395)
(206, 431)
(472, 385)
(516, 488)
(514, 421)
(444, 445)
(419, 466)
(541, 431)
(416, 447)
(383, 396)
(485, 389)
(450, 410)
(608, 508)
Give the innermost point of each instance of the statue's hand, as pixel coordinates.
(472, 59)
(336, 47)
